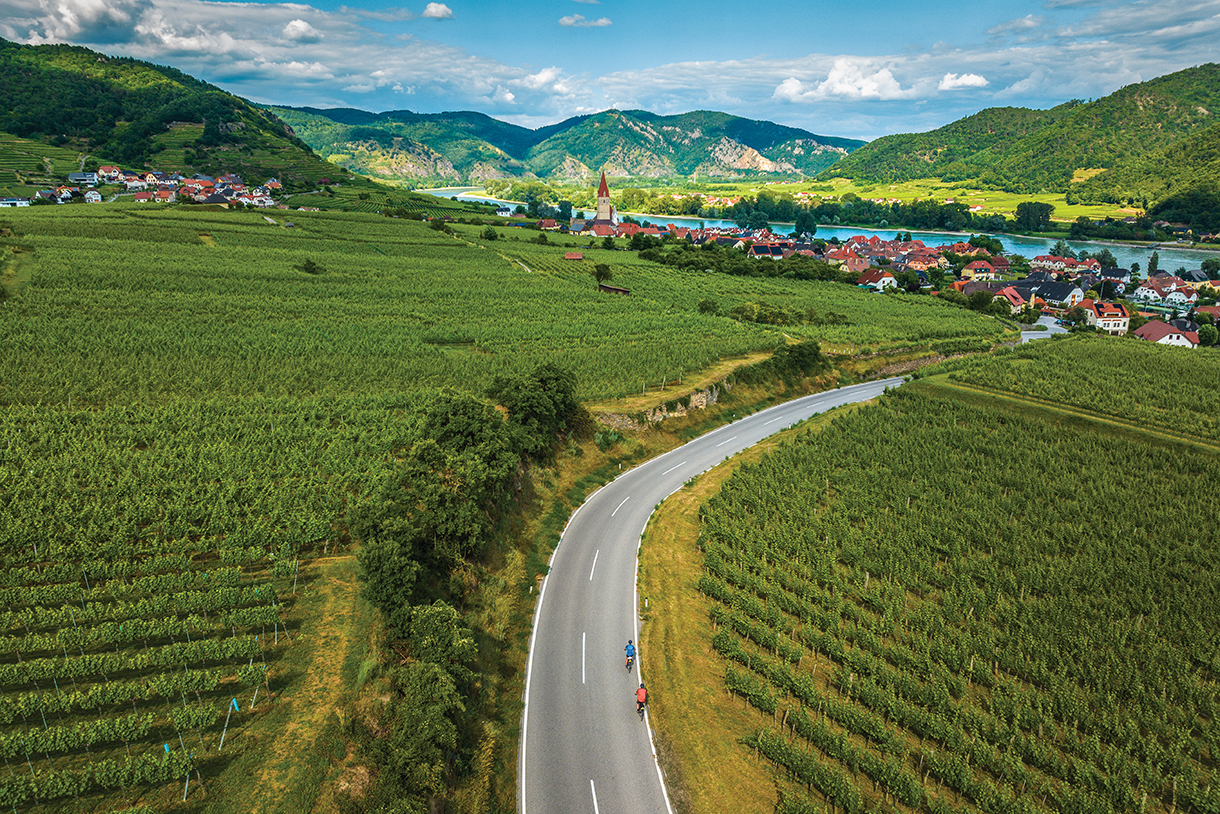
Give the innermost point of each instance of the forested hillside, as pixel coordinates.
(125, 111)
(474, 147)
(1132, 133)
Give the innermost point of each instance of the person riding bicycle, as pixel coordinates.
(630, 648)
(641, 698)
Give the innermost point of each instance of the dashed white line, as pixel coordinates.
(591, 570)
(772, 421)
(619, 506)
(722, 443)
(672, 468)
(582, 657)
(593, 789)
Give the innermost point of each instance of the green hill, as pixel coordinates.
(133, 113)
(472, 146)
(1130, 133)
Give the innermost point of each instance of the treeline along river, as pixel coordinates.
(1170, 258)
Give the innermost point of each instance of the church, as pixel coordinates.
(606, 220)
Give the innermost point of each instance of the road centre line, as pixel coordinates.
(772, 421)
(619, 506)
(722, 443)
(672, 468)
(591, 570)
(582, 657)
(593, 789)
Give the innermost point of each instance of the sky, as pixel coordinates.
(860, 69)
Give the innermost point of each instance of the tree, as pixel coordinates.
(1075, 317)
(806, 224)
(541, 404)
(489, 234)
(564, 210)
(310, 267)
(608, 243)
(1208, 335)
(1154, 264)
(1062, 249)
(757, 220)
(709, 306)
(1212, 266)
(990, 244)
(602, 273)
(1033, 216)
(979, 300)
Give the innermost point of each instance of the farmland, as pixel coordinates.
(194, 402)
(960, 601)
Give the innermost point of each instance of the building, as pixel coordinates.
(1111, 317)
(606, 214)
(1164, 334)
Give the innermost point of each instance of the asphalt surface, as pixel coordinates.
(583, 747)
(1051, 326)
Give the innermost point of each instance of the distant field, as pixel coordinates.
(992, 201)
(34, 162)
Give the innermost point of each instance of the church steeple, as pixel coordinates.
(605, 212)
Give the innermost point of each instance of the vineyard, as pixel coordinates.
(195, 400)
(1141, 382)
(148, 567)
(935, 607)
(871, 322)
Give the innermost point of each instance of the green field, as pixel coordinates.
(188, 414)
(26, 164)
(979, 601)
(1040, 663)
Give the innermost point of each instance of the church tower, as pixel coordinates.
(605, 212)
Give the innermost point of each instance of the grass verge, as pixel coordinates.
(697, 725)
(281, 761)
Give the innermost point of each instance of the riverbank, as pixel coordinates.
(1169, 257)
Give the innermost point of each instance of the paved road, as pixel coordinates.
(1052, 328)
(583, 748)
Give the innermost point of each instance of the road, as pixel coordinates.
(1051, 326)
(583, 748)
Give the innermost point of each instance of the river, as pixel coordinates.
(1170, 258)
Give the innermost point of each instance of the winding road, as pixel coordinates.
(583, 748)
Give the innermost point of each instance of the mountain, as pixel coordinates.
(1055, 150)
(124, 111)
(472, 146)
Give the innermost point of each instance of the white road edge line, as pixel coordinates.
(672, 468)
(619, 506)
(529, 668)
(593, 789)
(594, 568)
(722, 443)
(529, 665)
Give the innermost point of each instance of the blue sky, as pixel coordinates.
(861, 69)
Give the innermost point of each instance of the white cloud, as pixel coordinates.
(301, 31)
(437, 11)
(952, 81)
(579, 21)
(1025, 29)
(848, 79)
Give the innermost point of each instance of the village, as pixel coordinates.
(155, 186)
(1165, 307)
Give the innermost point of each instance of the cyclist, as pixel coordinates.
(630, 648)
(641, 698)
